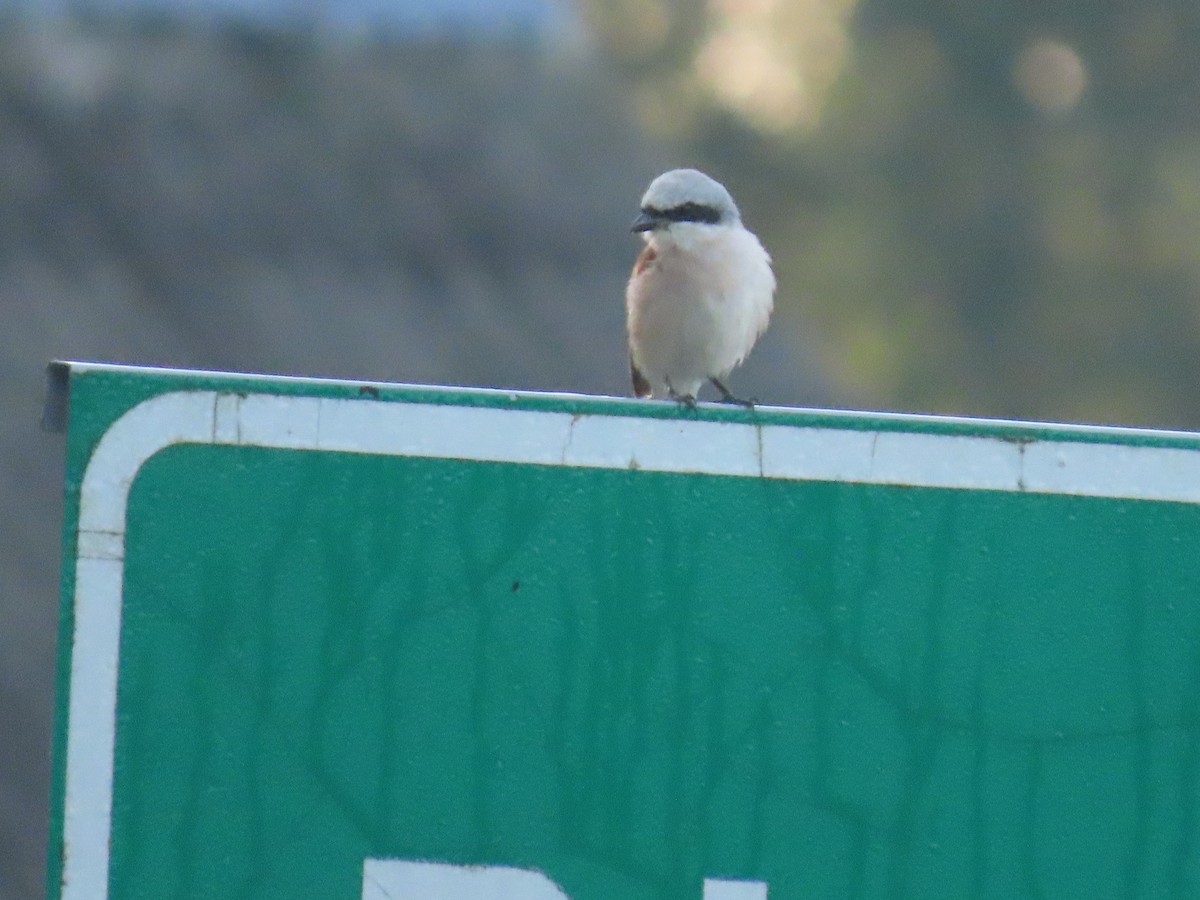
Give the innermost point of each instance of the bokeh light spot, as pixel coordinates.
(1050, 75)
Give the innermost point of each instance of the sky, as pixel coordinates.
(350, 14)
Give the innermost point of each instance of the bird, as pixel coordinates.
(701, 292)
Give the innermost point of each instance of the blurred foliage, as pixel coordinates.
(225, 194)
(986, 207)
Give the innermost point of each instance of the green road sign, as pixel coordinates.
(327, 640)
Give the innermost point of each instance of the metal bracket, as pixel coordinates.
(58, 396)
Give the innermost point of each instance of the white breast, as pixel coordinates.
(696, 310)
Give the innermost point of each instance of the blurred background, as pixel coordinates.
(987, 208)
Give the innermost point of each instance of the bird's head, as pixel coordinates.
(685, 196)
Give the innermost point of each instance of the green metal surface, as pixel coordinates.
(632, 681)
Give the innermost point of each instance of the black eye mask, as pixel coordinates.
(686, 212)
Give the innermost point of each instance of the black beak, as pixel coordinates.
(644, 222)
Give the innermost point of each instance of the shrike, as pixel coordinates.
(701, 291)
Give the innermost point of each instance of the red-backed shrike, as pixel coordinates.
(701, 291)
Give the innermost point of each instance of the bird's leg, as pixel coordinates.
(682, 399)
(727, 397)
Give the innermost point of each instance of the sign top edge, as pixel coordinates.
(63, 372)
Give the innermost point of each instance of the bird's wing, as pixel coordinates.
(645, 259)
(641, 387)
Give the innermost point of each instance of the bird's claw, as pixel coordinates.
(727, 397)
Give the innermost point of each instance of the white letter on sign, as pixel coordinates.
(716, 889)
(398, 879)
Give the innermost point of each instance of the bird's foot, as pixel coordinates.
(727, 397)
(688, 400)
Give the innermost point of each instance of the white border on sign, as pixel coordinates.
(604, 441)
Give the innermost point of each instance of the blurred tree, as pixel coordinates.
(985, 207)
